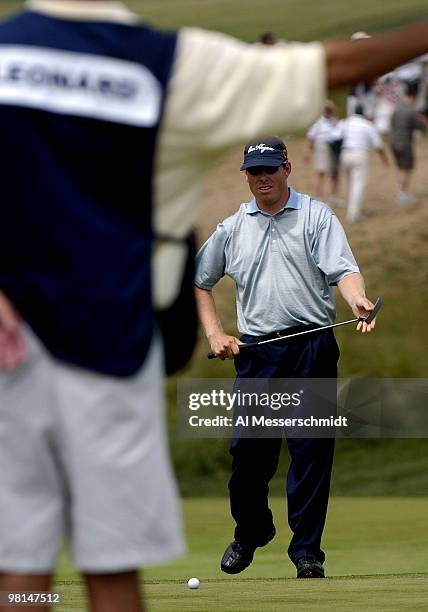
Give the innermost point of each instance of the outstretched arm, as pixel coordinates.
(12, 343)
(351, 61)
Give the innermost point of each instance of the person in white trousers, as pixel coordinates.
(359, 136)
(325, 162)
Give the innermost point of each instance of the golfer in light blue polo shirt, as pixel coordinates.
(284, 251)
(288, 259)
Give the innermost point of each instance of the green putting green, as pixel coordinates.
(377, 559)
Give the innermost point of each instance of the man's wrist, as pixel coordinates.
(354, 299)
(210, 336)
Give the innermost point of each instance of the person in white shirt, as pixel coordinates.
(325, 162)
(359, 136)
(389, 94)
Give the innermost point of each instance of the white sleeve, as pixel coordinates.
(313, 131)
(224, 91)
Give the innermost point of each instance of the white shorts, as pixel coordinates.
(85, 456)
(322, 156)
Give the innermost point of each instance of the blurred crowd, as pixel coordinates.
(392, 109)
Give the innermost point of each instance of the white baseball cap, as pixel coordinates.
(360, 35)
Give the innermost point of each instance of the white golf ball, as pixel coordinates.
(193, 583)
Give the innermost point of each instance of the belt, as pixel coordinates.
(287, 332)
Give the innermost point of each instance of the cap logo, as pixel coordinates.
(260, 147)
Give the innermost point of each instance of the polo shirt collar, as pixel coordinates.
(109, 10)
(294, 201)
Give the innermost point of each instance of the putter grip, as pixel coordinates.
(241, 347)
(375, 310)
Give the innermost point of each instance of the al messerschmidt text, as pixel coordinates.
(262, 421)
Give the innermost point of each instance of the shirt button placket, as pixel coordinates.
(273, 237)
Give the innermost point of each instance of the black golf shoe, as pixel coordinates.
(309, 568)
(238, 556)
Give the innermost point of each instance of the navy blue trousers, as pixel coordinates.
(255, 460)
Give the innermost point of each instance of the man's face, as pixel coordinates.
(268, 187)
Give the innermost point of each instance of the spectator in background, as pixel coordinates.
(422, 100)
(389, 94)
(325, 158)
(359, 136)
(404, 122)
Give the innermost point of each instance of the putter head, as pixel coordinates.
(369, 318)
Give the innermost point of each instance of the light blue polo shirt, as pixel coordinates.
(283, 265)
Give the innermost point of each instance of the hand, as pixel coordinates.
(361, 307)
(224, 346)
(13, 351)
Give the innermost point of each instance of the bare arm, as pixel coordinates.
(352, 290)
(222, 345)
(352, 61)
(12, 343)
(423, 121)
(310, 149)
(383, 156)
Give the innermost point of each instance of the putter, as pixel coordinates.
(368, 319)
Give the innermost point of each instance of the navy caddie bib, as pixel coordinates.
(80, 107)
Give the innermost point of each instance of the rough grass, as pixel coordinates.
(290, 19)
